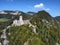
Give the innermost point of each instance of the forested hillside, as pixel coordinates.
(47, 31)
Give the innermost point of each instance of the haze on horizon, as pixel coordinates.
(51, 6)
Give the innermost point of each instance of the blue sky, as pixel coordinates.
(51, 6)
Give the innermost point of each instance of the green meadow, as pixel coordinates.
(4, 19)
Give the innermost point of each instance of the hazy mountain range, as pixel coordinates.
(57, 18)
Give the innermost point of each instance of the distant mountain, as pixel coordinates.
(14, 14)
(25, 15)
(31, 13)
(9, 11)
(57, 18)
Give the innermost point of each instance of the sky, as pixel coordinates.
(51, 6)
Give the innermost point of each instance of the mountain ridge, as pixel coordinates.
(46, 27)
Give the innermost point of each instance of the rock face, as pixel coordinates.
(0, 43)
(5, 42)
(21, 21)
(18, 22)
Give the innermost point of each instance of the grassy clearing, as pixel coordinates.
(4, 19)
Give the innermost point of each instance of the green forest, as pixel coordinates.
(47, 31)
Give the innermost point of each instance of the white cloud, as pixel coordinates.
(39, 5)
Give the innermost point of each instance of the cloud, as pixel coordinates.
(39, 5)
